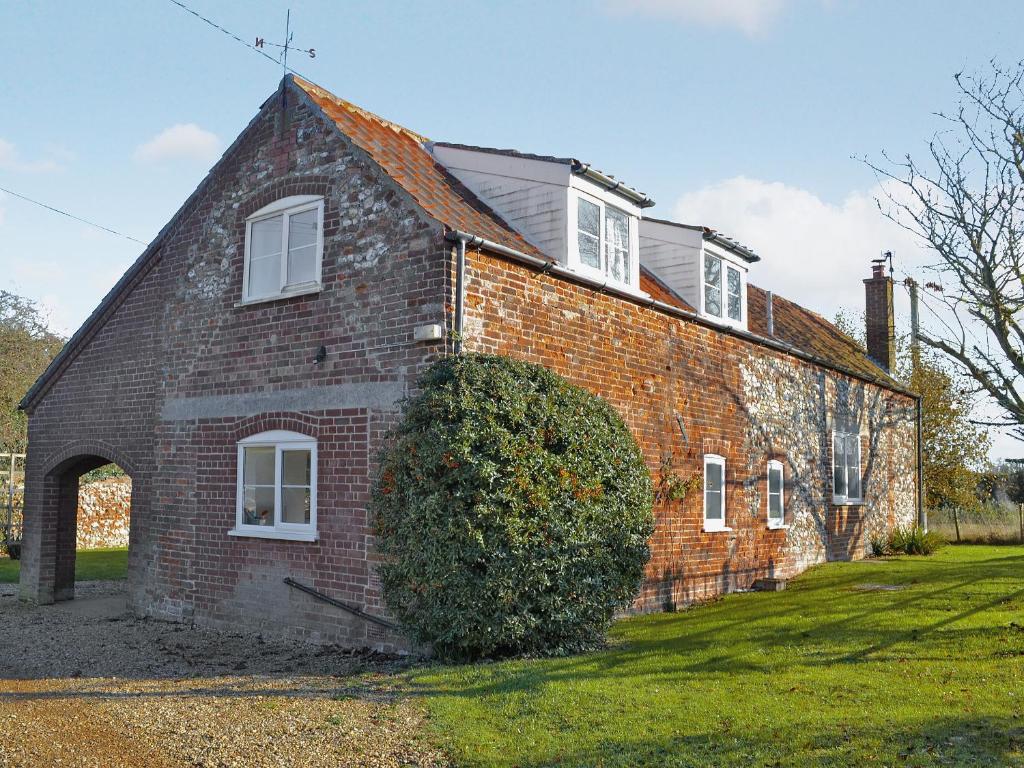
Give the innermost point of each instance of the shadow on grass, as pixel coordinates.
(976, 741)
(729, 638)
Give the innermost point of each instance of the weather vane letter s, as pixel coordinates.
(287, 45)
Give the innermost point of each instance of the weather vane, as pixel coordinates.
(287, 46)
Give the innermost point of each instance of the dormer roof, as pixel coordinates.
(577, 167)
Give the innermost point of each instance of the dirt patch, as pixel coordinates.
(84, 683)
(878, 587)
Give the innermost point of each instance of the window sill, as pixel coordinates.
(302, 290)
(255, 533)
(778, 527)
(840, 502)
(716, 529)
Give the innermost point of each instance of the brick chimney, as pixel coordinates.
(878, 315)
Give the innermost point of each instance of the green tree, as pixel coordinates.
(954, 447)
(27, 346)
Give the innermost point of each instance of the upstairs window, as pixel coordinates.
(714, 493)
(776, 501)
(846, 478)
(603, 239)
(284, 248)
(722, 300)
(277, 486)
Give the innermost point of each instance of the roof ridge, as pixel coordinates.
(308, 86)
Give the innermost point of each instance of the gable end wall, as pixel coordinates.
(179, 372)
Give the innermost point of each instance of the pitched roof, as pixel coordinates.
(714, 236)
(402, 154)
(576, 166)
(811, 333)
(795, 327)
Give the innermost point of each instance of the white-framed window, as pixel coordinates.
(277, 486)
(714, 493)
(776, 495)
(723, 289)
(284, 246)
(846, 477)
(604, 239)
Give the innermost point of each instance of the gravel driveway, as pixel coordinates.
(84, 683)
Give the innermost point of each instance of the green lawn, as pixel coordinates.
(90, 565)
(831, 672)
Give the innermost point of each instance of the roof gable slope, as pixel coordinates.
(403, 156)
(811, 333)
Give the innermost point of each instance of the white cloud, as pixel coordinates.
(752, 17)
(10, 160)
(813, 252)
(184, 141)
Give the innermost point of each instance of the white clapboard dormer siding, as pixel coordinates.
(706, 269)
(540, 197)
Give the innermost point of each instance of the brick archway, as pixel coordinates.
(51, 518)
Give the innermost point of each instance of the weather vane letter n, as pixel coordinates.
(287, 45)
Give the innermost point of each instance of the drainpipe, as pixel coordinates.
(922, 515)
(460, 290)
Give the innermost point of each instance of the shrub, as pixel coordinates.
(913, 541)
(513, 511)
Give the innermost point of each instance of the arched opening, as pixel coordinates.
(81, 505)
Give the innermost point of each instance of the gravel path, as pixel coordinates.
(84, 683)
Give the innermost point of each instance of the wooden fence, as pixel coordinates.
(12, 496)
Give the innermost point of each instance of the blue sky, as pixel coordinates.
(740, 114)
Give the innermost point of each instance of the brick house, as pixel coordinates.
(247, 366)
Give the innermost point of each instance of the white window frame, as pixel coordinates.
(286, 207)
(714, 525)
(726, 264)
(280, 440)
(725, 293)
(603, 272)
(838, 498)
(779, 522)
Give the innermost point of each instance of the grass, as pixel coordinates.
(90, 565)
(834, 671)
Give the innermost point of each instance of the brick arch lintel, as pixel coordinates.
(286, 187)
(303, 423)
(64, 457)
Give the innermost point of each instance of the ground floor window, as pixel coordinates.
(846, 479)
(277, 486)
(714, 493)
(776, 500)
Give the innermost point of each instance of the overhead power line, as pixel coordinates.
(72, 216)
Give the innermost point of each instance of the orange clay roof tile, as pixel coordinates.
(402, 154)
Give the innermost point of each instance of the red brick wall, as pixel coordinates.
(686, 390)
(145, 390)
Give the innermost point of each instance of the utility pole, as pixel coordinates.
(915, 328)
(915, 369)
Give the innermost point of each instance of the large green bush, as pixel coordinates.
(513, 511)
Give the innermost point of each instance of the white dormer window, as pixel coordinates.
(723, 289)
(284, 244)
(603, 238)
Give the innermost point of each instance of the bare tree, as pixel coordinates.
(965, 201)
